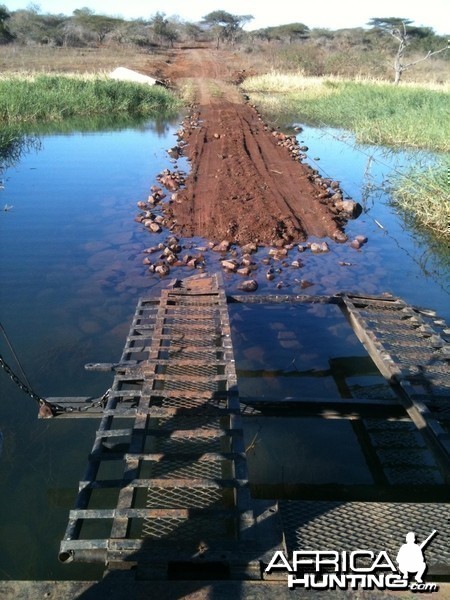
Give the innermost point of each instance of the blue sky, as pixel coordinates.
(330, 14)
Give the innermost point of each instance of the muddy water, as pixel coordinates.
(71, 274)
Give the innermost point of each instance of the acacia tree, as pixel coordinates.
(224, 25)
(402, 31)
(100, 25)
(163, 28)
(294, 31)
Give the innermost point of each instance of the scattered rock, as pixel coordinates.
(154, 227)
(174, 152)
(249, 286)
(224, 246)
(305, 284)
(349, 207)
(319, 247)
(250, 248)
(340, 237)
(278, 253)
(361, 239)
(162, 270)
(246, 260)
(229, 265)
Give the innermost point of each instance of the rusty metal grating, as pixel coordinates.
(195, 386)
(376, 526)
(183, 469)
(183, 458)
(196, 421)
(190, 461)
(175, 401)
(411, 350)
(184, 497)
(190, 446)
(209, 353)
(200, 370)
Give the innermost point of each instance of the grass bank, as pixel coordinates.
(41, 98)
(377, 112)
(424, 195)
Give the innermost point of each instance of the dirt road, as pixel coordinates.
(247, 183)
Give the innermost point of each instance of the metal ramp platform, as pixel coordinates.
(411, 348)
(167, 488)
(177, 475)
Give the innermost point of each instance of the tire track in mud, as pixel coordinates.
(243, 186)
(247, 181)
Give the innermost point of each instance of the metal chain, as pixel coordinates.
(54, 408)
(19, 382)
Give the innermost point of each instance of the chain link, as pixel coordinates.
(19, 382)
(54, 408)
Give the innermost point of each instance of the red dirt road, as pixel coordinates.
(245, 185)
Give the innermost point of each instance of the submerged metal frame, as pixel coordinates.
(143, 390)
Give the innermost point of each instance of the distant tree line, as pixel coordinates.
(85, 27)
(386, 41)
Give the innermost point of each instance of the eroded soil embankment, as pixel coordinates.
(246, 183)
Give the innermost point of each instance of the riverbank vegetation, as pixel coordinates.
(423, 194)
(31, 99)
(377, 112)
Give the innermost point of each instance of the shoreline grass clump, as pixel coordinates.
(423, 195)
(43, 98)
(377, 112)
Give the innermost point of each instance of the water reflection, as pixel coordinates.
(71, 271)
(71, 268)
(13, 145)
(301, 351)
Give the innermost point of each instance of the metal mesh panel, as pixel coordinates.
(180, 469)
(200, 370)
(194, 402)
(184, 498)
(322, 525)
(185, 386)
(399, 475)
(191, 422)
(189, 446)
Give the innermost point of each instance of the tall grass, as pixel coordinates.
(57, 97)
(377, 112)
(424, 194)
